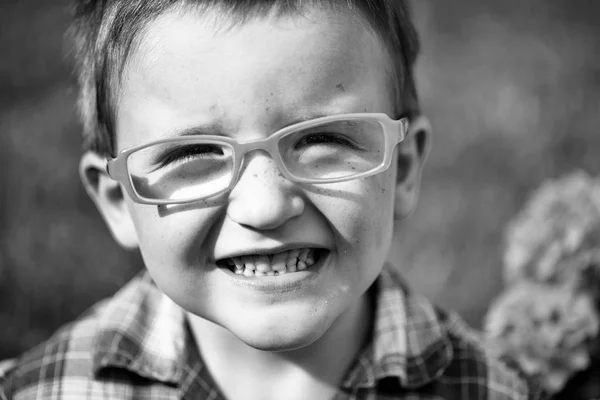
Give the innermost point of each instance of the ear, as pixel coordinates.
(108, 196)
(412, 153)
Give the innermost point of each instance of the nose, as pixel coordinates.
(263, 199)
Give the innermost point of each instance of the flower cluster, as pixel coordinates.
(560, 221)
(546, 331)
(547, 321)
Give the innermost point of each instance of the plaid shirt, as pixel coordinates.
(138, 345)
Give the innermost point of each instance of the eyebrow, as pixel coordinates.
(310, 115)
(216, 129)
(212, 129)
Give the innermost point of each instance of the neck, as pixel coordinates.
(326, 360)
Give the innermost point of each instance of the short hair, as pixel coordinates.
(104, 32)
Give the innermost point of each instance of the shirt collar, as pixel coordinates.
(409, 339)
(142, 330)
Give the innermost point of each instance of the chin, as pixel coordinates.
(287, 336)
(279, 343)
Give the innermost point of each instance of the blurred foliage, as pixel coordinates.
(557, 234)
(547, 321)
(512, 90)
(548, 331)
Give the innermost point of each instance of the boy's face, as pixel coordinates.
(252, 80)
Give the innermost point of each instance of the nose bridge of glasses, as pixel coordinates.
(266, 145)
(258, 144)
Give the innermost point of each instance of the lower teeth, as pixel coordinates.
(304, 261)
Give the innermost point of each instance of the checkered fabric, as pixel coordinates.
(138, 345)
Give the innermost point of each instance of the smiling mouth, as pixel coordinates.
(273, 264)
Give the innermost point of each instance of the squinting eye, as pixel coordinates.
(184, 153)
(325, 139)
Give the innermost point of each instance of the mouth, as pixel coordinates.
(286, 262)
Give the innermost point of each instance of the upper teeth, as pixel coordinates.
(276, 264)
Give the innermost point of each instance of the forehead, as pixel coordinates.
(192, 69)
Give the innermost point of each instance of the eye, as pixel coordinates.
(189, 152)
(326, 139)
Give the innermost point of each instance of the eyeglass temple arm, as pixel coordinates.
(401, 133)
(112, 167)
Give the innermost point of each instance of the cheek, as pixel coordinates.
(174, 246)
(172, 238)
(374, 220)
(360, 213)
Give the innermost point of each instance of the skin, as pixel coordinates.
(186, 73)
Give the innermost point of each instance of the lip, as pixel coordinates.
(280, 283)
(269, 250)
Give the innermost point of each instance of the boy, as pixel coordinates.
(263, 149)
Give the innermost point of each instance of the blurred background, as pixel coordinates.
(512, 89)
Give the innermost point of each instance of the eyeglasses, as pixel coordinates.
(324, 150)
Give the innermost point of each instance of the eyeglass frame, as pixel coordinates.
(394, 132)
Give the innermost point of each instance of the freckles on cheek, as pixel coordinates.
(360, 211)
